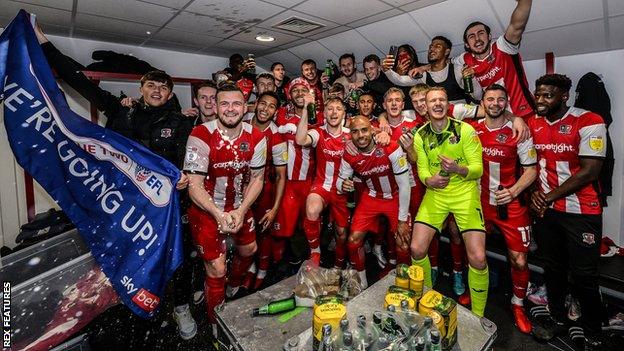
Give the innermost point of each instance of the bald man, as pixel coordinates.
(384, 169)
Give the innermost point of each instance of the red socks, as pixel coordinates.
(312, 230)
(277, 248)
(458, 252)
(214, 290)
(264, 253)
(356, 255)
(519, 281)
(240, 265)
(341, 253)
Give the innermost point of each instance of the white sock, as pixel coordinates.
(364, 282)
(516, 300)
(261, 274)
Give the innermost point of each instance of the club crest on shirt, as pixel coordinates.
(452, 139)
(244, 146)
(501, 138)
(589, 238)
(404, 130)
(596, 143)
(565, 129)
(165, 133)
(378, 153)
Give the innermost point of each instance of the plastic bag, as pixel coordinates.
(313, 281)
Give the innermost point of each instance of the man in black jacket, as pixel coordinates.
(154, 121)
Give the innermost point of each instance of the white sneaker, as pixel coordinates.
(381, 259)
(198, 297)
(186, 324)
(230, 291)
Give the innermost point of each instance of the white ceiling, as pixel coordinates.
(222, 27)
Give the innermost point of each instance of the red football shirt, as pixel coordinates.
(225, 162)
(329, 151)
(501, 153)
(560, 145)
(300, 159)
(503, 66)
(377, 169)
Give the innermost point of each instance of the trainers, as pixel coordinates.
(616, 322)
(574, 309)
(198, 297)
(231, 291)
(186, 324)
(458, 283)
(522, 321)
(381, 259)
(540, 297)
(545, 326)
(464, 299)
(577, 336)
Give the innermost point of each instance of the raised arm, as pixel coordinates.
(70, 72)
(518, 22)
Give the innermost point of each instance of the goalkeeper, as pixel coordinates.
(450, 165)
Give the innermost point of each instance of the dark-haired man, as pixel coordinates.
(440, 73)
(571, 146)
(500, 186)
(375, 81)
(155, 122)
(300, 168)
(205, 99)
(351, 78)
(500, 62)
(268, 203)
(312, 75)
(281, 80)
(225, 159)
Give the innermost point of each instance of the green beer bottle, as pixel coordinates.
(275, 307)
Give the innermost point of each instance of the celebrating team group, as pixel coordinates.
(458, 144)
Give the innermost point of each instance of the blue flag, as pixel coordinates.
(120, 195)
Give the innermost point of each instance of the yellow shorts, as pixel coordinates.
(465, 206)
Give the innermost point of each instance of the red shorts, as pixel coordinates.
(292, 208)
(368, 211)
(209, 240)
(265, 201)
(337, 205)
(516, 228)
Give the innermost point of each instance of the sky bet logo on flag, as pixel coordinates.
(120, 195)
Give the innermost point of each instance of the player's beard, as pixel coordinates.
(486, 48)
(495, 115)
(231, 124)
(548, 111)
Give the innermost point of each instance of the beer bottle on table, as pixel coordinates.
(275, 307)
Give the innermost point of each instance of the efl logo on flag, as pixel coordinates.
(119, 194)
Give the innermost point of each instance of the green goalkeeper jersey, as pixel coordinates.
(458, 141)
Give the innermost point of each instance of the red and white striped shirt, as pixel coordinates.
(377, 169)
(279, 152)
(503, 66)
(329, 151)
(300, 159)
(500, 155)
(225, 162)
(408, 125)
(560, 145)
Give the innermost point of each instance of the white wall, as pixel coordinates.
(13, 212)
(607, 65)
